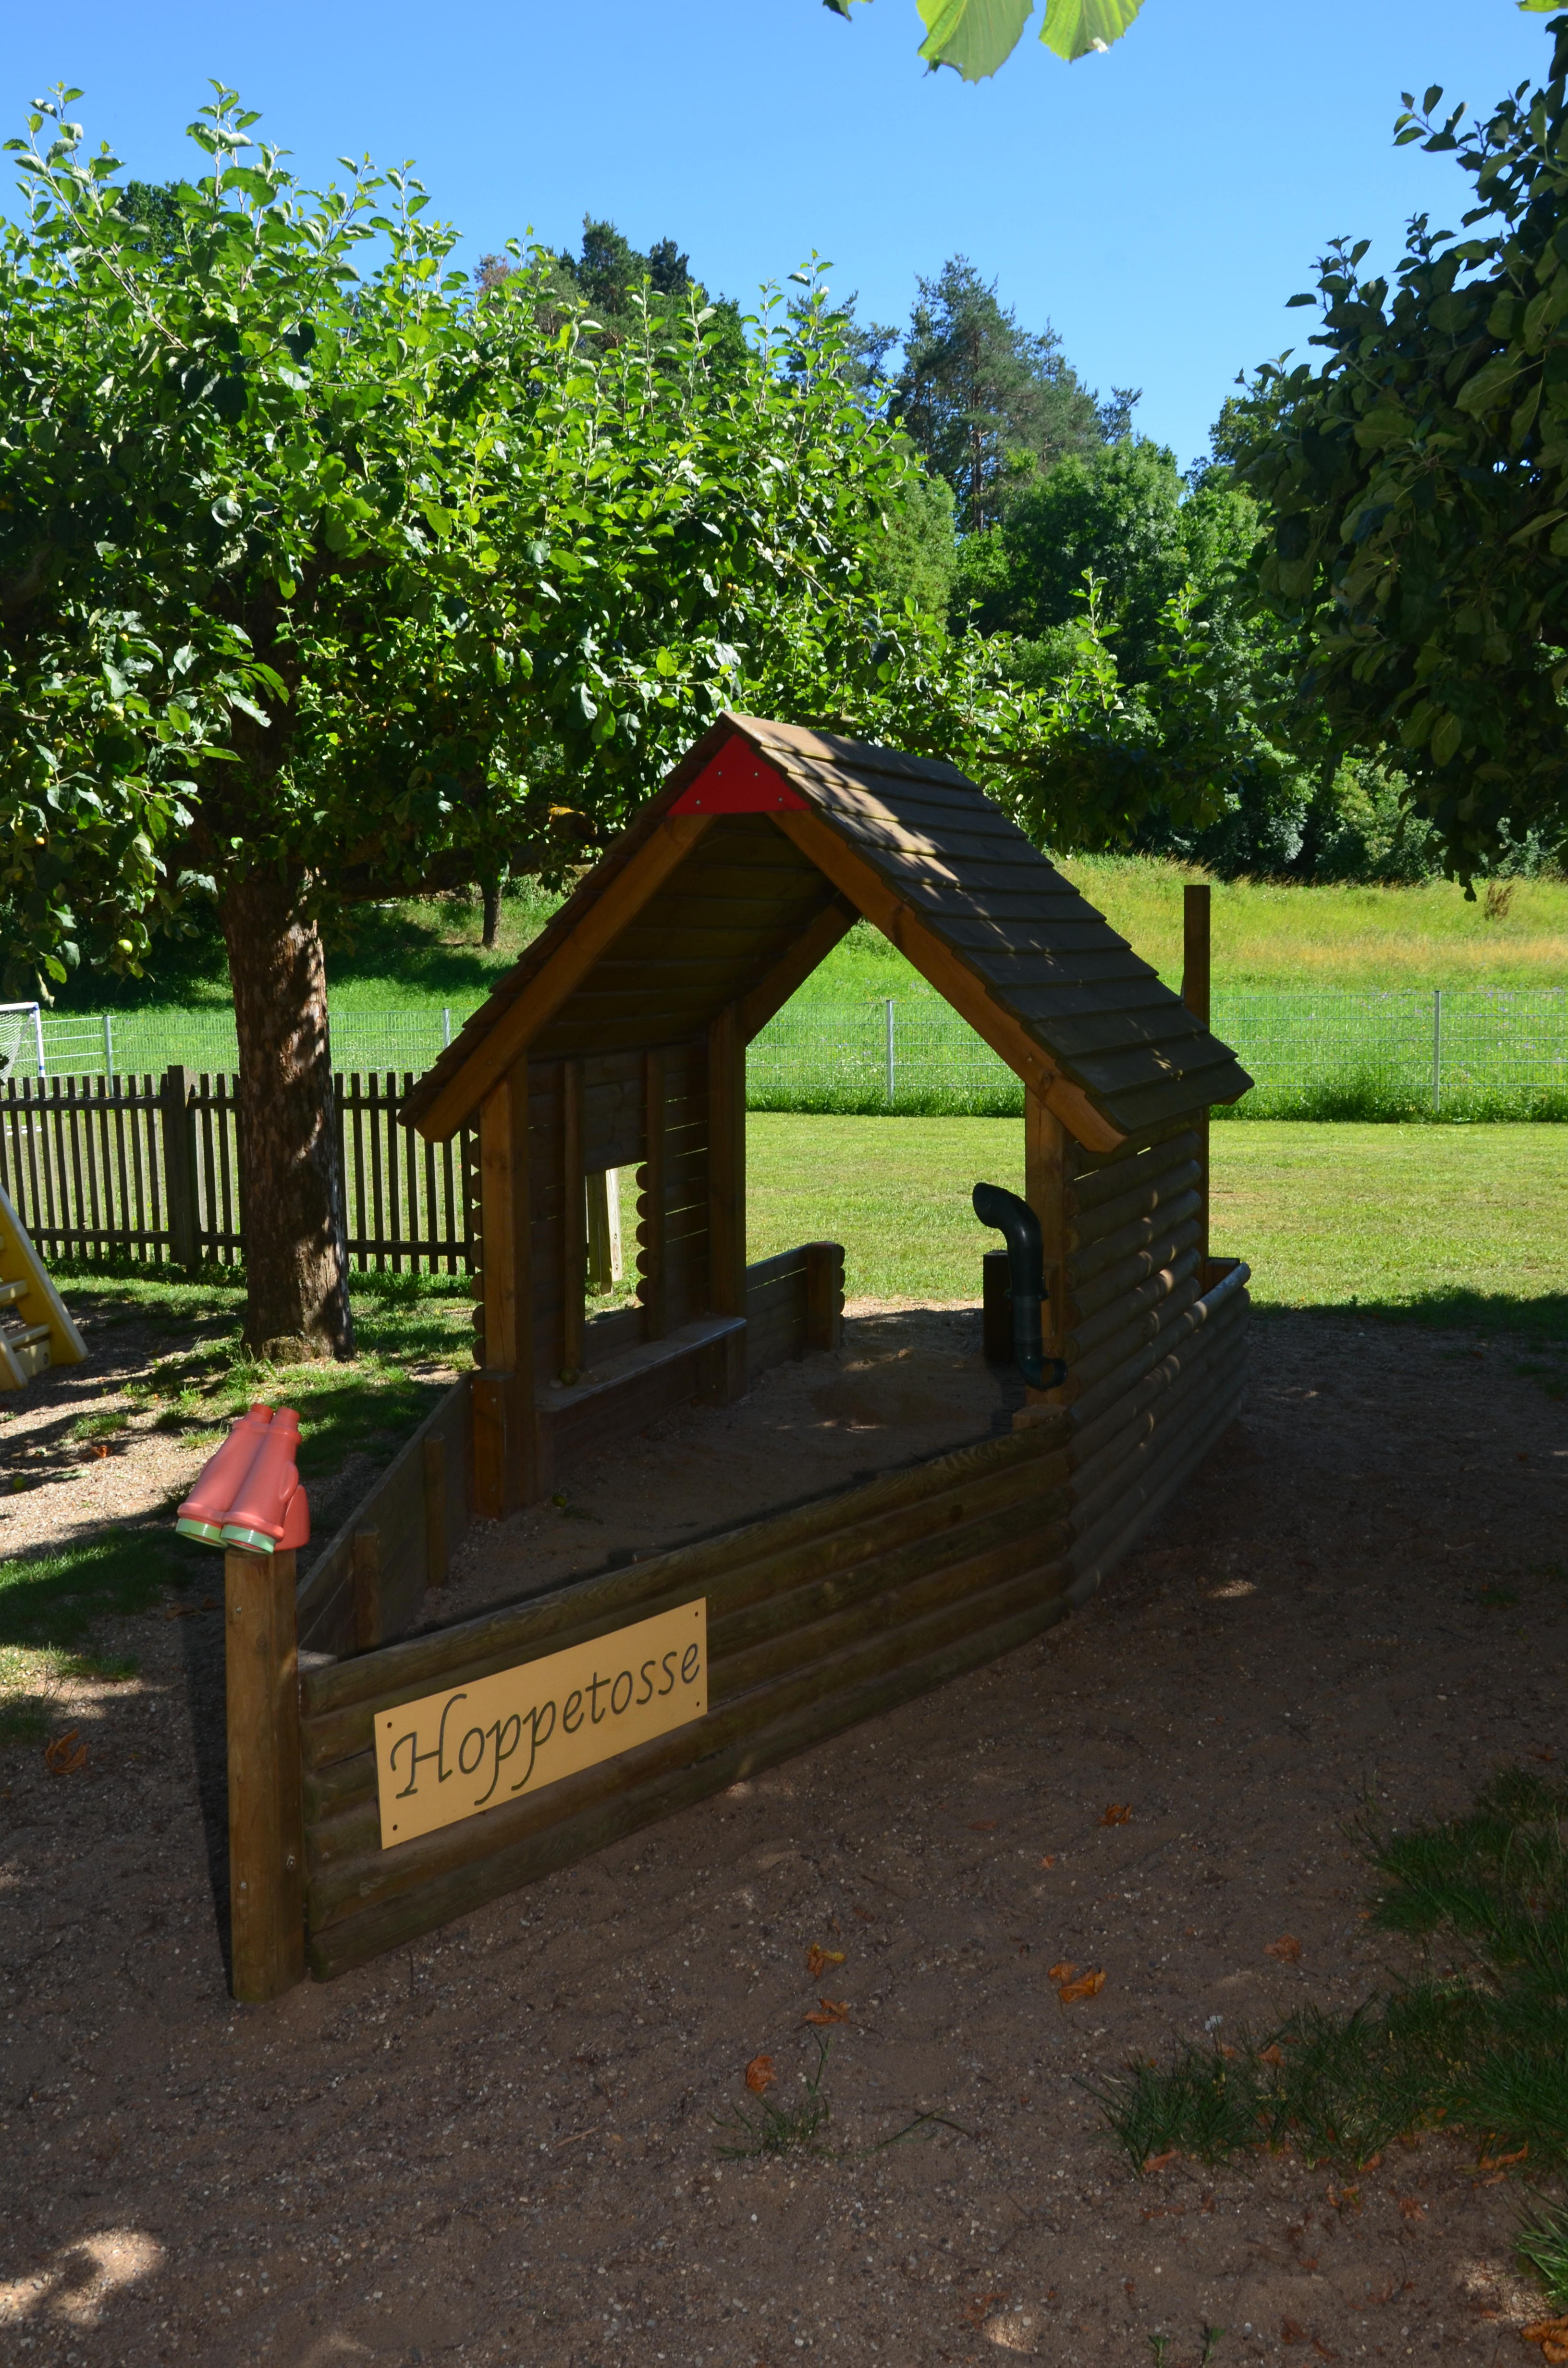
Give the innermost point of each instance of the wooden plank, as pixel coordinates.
(752, 1563)
(598, 1413)
(1146, 1294)
(1140, 1235)
(267, 1852)
(511, 1030)
(398, 1506)
(856, 875)
(1146, 1199)
(1093, 1186)
(1049, 1158)
(573, 1223)
(726, 1164)
(815, 942)
(825, 1295)
(433, 1465)
(365, 1566)
(596, 1808)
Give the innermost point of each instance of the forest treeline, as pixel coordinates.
(1099, 570)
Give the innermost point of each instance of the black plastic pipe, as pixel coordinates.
(1020, 1228)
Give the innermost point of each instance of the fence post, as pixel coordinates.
(108, 1045)
(1197, 985)
(179, 1166)
(1436, 1051)
(445, 1026)
(37, 1037)
(267, 1877)
(888, 1008)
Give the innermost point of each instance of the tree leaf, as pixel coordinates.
(1077, 29)
(975, 36)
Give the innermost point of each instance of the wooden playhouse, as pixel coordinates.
(619, 1039)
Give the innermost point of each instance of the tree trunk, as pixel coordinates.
(296, 1264)
(490, 892)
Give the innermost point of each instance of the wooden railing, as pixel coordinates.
(148, 1167)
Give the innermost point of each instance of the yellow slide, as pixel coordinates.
(35, 1328)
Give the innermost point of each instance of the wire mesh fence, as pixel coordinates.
(1332, 1052)
(1455, 1053)
(134, 1043)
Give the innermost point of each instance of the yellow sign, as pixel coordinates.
(475, 1745)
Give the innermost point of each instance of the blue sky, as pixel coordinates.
(1158, 205)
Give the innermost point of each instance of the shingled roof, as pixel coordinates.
(848, 828)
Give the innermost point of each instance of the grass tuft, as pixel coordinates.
(767, 2129)
(1543, 2247)
(1478, 2041)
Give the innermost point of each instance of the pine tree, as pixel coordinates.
(988, 403)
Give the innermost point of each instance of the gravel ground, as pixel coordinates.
(499, 2146)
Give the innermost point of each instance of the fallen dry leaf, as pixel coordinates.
(1288, 1949)
(1063, 1972)
(1501, 2162)
(1158, 2161)
(976, 2310)
(1552, 2334)
(1086, 1986)
(982, 1826)
(1273, 2053)
(819, 1959)
(1117, 1813)
(830, 2010)
(59, 1757)
(1412, 2209)
(1319, 2345)
(1292, 2331)
(760, 2074)
(1048, 1861)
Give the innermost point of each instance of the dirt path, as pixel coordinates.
(498, 2148)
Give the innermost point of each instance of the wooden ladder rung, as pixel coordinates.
(10, 1292)
(22, 1336)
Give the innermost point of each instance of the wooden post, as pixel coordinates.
(1049, 1163)
(600, 1268)
(825, 1295)
(267, 1876)
(574, 1228)
(178, 1126)
(365, 1574)
(503, 1393)
(655, 1193)
(1197, 902)
(726, 1165)
(433, 1456)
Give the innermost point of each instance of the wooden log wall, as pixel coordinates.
(1154, 1338)
(417, 1513)
(817, 1619)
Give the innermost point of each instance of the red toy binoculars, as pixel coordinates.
(248, 1495)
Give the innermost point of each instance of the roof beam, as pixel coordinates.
(949, 975)
(813, 945)
(617, 905)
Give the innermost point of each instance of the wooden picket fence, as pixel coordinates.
(148, 1167)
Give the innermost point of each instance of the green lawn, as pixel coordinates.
(425, 956)
(411, 1330)
(1465, 1226)
(1457, 1225)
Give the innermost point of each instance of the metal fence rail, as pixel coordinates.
(1465, 1051)
(148, 1167)
(108, 1044)
(1453, 1052)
